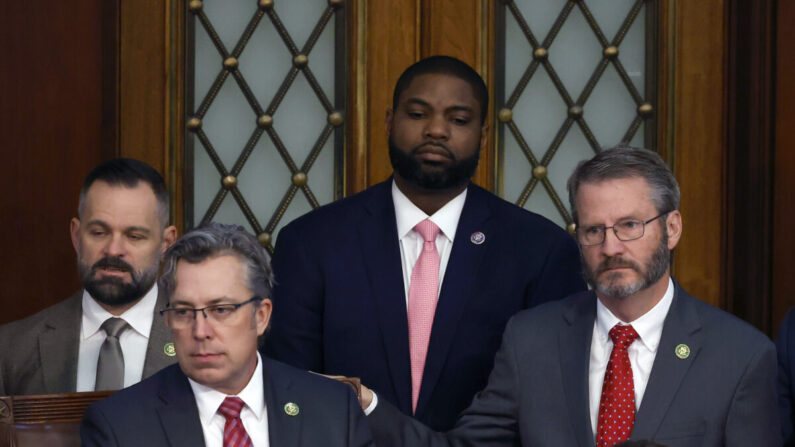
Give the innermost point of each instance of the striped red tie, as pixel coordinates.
(234, 433)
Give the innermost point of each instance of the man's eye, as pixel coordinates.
(96, 232)
(461, 121)
(593, 230)
(222, 310)
(629, 224)
(136, 237)
(415, 115)
(182, 312)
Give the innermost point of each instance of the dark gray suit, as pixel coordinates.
(722, 394)
(38, 354)
(162, 411)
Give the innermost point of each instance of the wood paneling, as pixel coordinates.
(784, 181)
(697, 140)
(51, 135)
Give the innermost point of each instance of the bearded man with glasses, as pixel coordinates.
(218, 282)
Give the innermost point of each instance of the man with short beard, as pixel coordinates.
(109, 335)
(637, 358)
(420, 272)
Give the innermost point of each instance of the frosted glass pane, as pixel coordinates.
(632, 52)
(575, 53)
(516, 168)
(572, 150)
(539, 113)
(540, 203)
(230, 121)
(610, 109)
(298, 207)
(610, 14)
(520, 51)
(539, 15)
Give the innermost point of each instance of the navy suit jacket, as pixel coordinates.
(162, 411)
(785, 344)
(340, 305)
(721, 394)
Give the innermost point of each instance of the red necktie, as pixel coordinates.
(234, 433)
(617, 405)
(423, 291)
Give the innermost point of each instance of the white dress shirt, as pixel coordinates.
(411, 242)
(641, 352)
(254, 414)
(133, 340)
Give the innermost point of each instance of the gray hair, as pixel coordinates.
(621, 162)
(216, 239)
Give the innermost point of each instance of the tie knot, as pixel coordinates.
(114, 326)
(623, 335)
(428, 230)
(230, 407)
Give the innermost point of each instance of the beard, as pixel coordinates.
(112, 290)
(458, 173)
(611, 286)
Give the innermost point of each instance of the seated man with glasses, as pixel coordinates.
(218, 281)
(635, 358)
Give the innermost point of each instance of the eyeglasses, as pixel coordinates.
(184, 317)
(625, 230)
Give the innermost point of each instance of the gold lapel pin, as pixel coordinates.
(682, 351)
(169, 349)
(291, 409)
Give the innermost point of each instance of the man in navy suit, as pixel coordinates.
(785, 345)
(636, 358)
(345, 272)
(218, 280)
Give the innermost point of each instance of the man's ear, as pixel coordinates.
(74, 232)
(169, 237)
(673, 225)
(388, 121)
(484, 133)
(262, 316)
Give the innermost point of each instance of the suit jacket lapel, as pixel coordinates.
(159, 336)
(381, 254)
(283, 429)
(681, 327)
(574, 349)
(58, 347)
(178, 413)
(458, 286)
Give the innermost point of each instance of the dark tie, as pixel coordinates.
(617, 405)
(234, 433)
(110, 366)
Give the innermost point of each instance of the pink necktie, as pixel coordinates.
(617, 405)
(423, 291)
(234, 433)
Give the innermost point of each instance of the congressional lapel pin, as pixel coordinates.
(291, 409)
(169, 349)
(477, 238)
(682, 351)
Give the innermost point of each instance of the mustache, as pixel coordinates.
(112, 262)
(438, 144)
(616, 262)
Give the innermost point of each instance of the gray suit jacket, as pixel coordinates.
(722, 394)
(38, 354)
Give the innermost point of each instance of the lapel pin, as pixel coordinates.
(291, 409)
(477, 238)
(169, 349)
(682, 351)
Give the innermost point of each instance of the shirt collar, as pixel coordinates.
(253, 395)
(648, 326)
(408, 215)
(139, 316)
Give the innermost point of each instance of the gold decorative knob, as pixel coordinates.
(540, 53)
(539, 172)
(300, 60)
(610, 52)
(575, 111)
(195, 6)
(645, 110)
(299, 179)
(335, 118)
(265, 121)
(336, 3)
(571, 228)
(265, 5)
(230, 63)
(505, 115)
(229, 182)
(193, 124)
(264, 238)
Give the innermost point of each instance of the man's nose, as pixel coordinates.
(201, 327)
(612, 245)
(116, 246)
(437, 128)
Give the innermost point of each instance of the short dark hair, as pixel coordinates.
(216, 239)
(449, 66)
(621, 162)
(128, 172)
